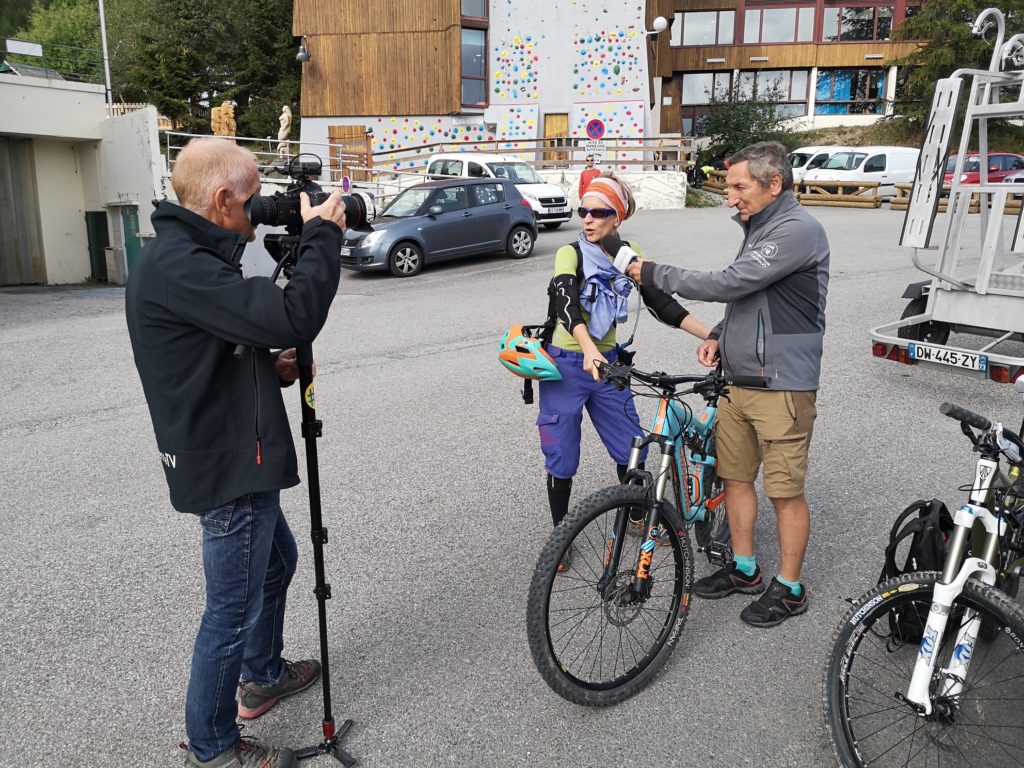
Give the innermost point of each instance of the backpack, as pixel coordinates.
(928, 525)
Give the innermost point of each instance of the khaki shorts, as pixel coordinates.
(755, 427)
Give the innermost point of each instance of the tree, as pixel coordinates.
(13, 16)
(70, 33)
(742, 115)
(949, 44)
(185, 56)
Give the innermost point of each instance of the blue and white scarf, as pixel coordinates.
(605, 290)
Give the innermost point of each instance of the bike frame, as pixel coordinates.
(691, 436)
(684, 440)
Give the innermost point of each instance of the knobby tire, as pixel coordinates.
(870, 665)
(595, 651)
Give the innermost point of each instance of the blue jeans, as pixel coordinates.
(249, 557)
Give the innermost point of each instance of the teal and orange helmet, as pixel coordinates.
(524, 355)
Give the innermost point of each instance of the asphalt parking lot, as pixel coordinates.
(433, 490)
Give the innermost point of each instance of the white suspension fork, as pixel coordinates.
(942, 601)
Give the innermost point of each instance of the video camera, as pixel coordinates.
(283, 209)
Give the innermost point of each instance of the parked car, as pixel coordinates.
(440, 220)
(548, 201)
(886, 165)
(1000, 165)
(807, 159)
(1016, 177)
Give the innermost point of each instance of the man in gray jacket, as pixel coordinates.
(774, 322)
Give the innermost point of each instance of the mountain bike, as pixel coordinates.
(927, 669)
(602, 630)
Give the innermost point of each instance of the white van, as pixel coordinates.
(548, 201)
(807, 159)
(886, 165)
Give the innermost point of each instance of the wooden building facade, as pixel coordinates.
(832, 60)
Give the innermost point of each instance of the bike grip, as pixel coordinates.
(965, 416)
(752, 382)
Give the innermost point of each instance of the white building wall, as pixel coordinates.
(60, 169)
(34, 106)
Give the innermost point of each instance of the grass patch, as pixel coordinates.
(696, 198)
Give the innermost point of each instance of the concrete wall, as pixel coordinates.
(35, 106)
(83, 162)
(133, 168)
(62, 170)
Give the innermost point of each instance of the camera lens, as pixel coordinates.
(360, 210)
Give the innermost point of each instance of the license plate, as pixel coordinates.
(346, 251)
(563, 209)
(965, 360)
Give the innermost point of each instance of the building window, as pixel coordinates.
(779, 25)
(847, 25)
(698, 87)
(474, 67)
(703, 28)
(850, 92)
(475, 8)
(791, 85)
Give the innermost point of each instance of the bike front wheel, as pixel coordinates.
(868, 673)
(597, 642)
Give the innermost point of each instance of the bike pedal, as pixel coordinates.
(718, 554)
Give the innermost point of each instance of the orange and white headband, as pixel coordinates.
(610, 192)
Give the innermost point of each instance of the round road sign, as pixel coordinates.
(595, 129)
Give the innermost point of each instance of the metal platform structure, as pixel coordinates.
(975, 297)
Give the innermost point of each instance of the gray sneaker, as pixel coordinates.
(246, 753)
(254, 699)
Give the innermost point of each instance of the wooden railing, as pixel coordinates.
(839, 194)
(715, 182)
(662, 153)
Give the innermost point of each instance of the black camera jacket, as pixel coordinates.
(220, 421)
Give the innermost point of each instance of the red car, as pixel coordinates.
(1000, 165)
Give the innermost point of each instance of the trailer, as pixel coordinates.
(981, 299)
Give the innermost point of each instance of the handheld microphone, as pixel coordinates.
(622, 255)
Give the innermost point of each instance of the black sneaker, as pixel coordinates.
(775, 606)
(726, 581)
(255, 699)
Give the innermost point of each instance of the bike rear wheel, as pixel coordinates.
(597, 648)
(873, 654)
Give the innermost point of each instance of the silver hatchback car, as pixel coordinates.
(441, 220)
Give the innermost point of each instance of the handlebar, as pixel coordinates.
(964, 416)
(1004, 440)
(751, 382)
(619, 374)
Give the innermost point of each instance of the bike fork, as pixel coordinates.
(946, 591)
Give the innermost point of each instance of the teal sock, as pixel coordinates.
(794, 586)
(745, 565)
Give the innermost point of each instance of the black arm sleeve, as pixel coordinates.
(663, 306)
(565, 295)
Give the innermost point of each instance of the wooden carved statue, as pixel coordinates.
(285, 130)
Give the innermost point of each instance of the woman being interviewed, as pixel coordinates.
(590, 300)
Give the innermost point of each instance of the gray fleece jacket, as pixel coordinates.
(774, 294)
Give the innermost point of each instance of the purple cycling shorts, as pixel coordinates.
(561, 414)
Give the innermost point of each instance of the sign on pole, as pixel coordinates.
(595, 148)
(595, 129)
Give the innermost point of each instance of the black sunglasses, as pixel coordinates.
(597, 213)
